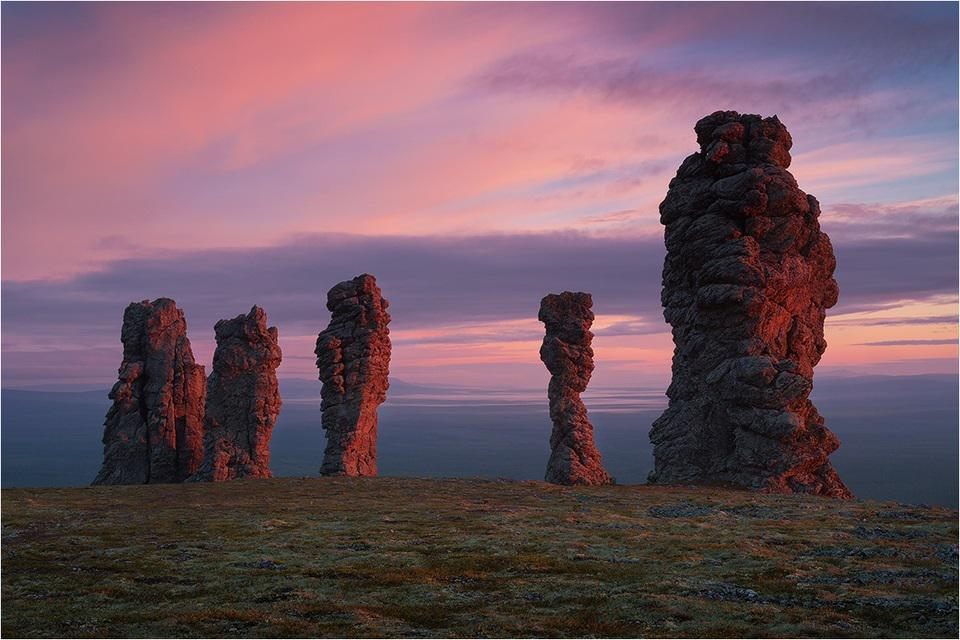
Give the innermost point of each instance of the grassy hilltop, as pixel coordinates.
(418, 557)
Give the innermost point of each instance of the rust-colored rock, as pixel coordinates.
(243, 399)
(154, 430)
(566, 351)
(353, 356)
(746, 282)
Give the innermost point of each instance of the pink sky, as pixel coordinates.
(139, 134)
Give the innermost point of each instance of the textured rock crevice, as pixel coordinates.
(566, 351)
(353, 357)
(243, 399)
(746, 282)
(154, 430)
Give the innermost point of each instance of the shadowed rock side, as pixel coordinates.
(154, 430)
(746, 282)
(353, 355)
(574, 458)
(243, 399)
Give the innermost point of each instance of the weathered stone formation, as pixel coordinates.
(353, 355)
(566, 350)
(243, 399)
(154, 430)
(746, 282)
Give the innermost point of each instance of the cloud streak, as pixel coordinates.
(888, 322)
(910, 343)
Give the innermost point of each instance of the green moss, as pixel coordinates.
(342, 557)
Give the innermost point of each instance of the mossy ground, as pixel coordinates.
(419, 557)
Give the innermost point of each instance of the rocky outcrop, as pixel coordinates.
(154, 430)
(243, 399)
(353, 355)
(746, 282)
(566, 351)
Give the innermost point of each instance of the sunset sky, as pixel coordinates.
(473, 157)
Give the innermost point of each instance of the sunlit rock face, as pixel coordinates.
(154, 430)
(566, 351)
(746, 282)
(243, 399)
(353, 356)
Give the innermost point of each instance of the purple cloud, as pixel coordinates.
(881, 271)
(633, 81)
(814, 62)
(851, 222)
(430, 282)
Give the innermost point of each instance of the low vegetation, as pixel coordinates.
(417, 557)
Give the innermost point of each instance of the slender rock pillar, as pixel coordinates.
(566, 351)
(353, 356)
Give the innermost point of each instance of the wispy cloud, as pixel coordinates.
(635, 81)
(911, 219)
(910, 343)
(949, 320)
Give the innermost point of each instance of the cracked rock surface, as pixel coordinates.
(353, 356)
(566, 351)
(747, 280)
(243, 399)
(154, 430)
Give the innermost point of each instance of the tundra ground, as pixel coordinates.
(426, 557)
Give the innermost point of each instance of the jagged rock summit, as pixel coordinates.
(746, 282)
(154, 430)
(243, 399)
(566, 351)
(353, 356)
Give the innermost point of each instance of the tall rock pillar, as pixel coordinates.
(566, 351)
(747, 280)
(154, 430)
(353, 356)
(243, 399)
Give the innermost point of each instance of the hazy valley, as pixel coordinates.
(898, 434)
